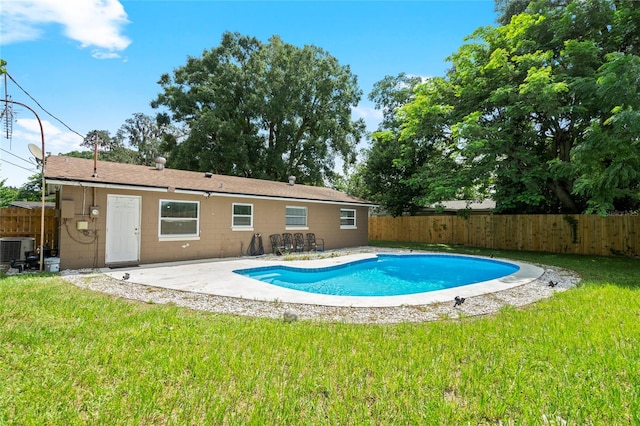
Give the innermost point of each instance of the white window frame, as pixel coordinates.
(235, 227)
(173, 237)
(296, 227)
(351, 226)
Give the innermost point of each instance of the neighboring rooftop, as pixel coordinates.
(483, 205)
(71, 170)
(31, 205)
(452, 207)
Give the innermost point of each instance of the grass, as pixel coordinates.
(69, 356)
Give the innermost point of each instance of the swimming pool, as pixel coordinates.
(385, 275)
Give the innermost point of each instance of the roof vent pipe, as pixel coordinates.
(292, 180)
(160, 162)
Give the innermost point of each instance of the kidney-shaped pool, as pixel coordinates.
(386, 275)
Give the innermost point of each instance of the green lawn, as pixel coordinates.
(69, 356)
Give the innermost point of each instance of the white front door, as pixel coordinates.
(123, 229)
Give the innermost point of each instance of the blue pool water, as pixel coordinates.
(385, 275)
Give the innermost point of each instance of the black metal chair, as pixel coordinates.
(298, 242)
(314, 243)
(277, 246)
(287, 240)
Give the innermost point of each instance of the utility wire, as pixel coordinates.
(18, 157)
(14, 164)
(41, 107)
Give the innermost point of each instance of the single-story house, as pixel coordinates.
(114, 214)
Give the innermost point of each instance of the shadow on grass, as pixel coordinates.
(594, 270)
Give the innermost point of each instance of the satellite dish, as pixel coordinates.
(36, 151)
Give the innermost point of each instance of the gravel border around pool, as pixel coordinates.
(483, 304)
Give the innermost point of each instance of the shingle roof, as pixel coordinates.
(32, 204)
(71, 169)
(473, 205)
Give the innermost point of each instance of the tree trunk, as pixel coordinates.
(272, 135)
(564, 197)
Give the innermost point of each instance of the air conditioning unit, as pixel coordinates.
(15, 248)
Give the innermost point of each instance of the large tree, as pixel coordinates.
(264, 110)
(140, 140)
(391, 163)
(540, 113)
(149, 137)
(7, 194)
(30, 191)
(109, 148)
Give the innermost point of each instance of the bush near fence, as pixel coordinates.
(579, 234)
(17, 222)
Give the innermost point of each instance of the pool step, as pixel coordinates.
(263, 277)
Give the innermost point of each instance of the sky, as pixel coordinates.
(86, 65)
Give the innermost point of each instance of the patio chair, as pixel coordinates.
(298, 242)
(315, 243)
(277, 246)
(287, 240)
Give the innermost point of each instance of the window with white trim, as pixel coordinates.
(347, 218)
(295, 217)
(179, 218)
(242, 216)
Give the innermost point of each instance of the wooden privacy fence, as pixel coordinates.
(579, 234)
(16, 222)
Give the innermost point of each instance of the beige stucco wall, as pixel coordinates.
(85, 249)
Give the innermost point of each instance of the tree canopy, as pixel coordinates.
(148, 137)
(140, 140)
(7, 193)
(263, 110)
(30, 191)
(542, 114)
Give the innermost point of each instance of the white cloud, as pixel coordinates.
(17, 163)
(14, 28)
(367, 113)
(371, 116)
(31, 125)
(93, 23)
(101, 54)
(56, 141)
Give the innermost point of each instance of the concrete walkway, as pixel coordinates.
(216, 277)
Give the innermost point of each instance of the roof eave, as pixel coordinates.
(205, 193)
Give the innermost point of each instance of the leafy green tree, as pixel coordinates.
(352, 182)
(509, 8)
(109, 148)
(80, 154)
(263, 110)
(390, 163)
(404, 170)
(391, 93)
(7, 194)
(140, 140)
(540, 113)
(32, 189)
(608, 160)
(146, 136)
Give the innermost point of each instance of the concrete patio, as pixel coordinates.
(216, 277)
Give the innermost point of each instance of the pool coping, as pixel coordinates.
(216, 277)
